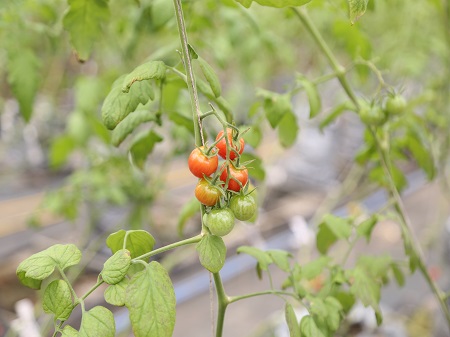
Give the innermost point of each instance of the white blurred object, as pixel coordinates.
(25, 325)
(303, 235)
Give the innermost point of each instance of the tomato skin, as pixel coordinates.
(243, 207)
(240, 174)
(222, 145)
(200, 165)
(220, 221)
(372, 116)
(395, 105)
(206, 193)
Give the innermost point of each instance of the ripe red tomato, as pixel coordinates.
(199, 164)
(220, 221)
(206, 193)
(222, 145)
(240, 174)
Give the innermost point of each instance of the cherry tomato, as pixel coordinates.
(395, 105)
(222, 145)
(206, 193)
(243, 207)
(240, 174)
(199, 164)
(372, 115)
(220, 221)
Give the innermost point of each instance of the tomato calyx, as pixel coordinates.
(235, 178)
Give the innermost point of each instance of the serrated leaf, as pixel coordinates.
(118, 105)
(83, 22)
(313, 96)
(280, 258)
(96, 322)
(376, 266)
(330, 230)
(366, 288)
(315, 267)
(39, 266)
(155, 70)
(291, 320)
(143, 145)
(115, 294)
(139, 242)
(58, 300)
(189, 209)
(366, 227)
(116, 267)
(288, 130)
(356, 9)
(210, 76)
(262, 257)
(212, 252)
(23, 77)
(275, 106)
(308, 328)
(274, 3)
(151, 302)
(68, 331)
(131, 122)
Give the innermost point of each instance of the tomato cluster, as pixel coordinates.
(222, 190)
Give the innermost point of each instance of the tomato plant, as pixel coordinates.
(200, 164)
(243, 206)
(236, 145)
(206, 193)
(237, 179)
(220, 221)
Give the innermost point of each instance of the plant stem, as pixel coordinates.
(190, 78)
(392, 189)
(233, 299)
(222, 302)
(189, 241)
(64, 276)
(90, 291)
(337, 67)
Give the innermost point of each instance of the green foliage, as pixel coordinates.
(190, 208)
(274, 3)
(142, 146)
(212, 252)
(115, 294)
(116, 267)
(150, 299)
(138, 242)
(98, 321)
(330, 230)
(130, 123)
(58, 300)
(313, 95)
(210, 76)
(356, 9)
(291, 320)
(151, 70)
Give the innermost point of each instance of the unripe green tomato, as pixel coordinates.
(243, 207)
(395, 105)
(372, 115)
(220, 221)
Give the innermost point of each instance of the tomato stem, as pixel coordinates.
(222, 303)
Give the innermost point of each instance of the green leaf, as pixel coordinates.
(131, 122)
(58, 300)
(115, 294)
(356, 9)
(255, 169)
(308, 328)
(60, 150)
(346, 299)
(83, 22)
(210, 76)
(288, 130)
(274, 3)
(96, 322)
(143, 145)
(116, 267)
(182, 120)
(192, 53)
(253, 136)
(262, 257)
(275, 106)
(151, 70)
(291, 321)
(212, 252)
(68, 331)
(190, 208)
(118, 105)
(313, 95)
(315, 267)
(398, 274)
(139, 242)
(41, 265)
(335, 113)
(151, 302)
(281, 259)
(334, 313)
(422, 155)
(376, 266)
(24, 78)
(330, 230)
(366, 227)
